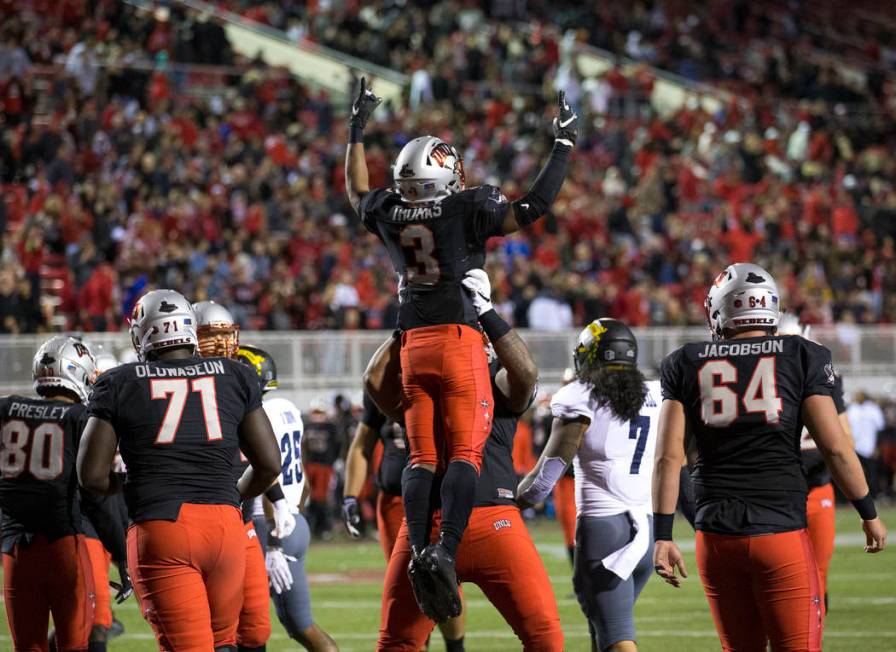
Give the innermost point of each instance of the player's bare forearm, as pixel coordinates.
(357, 181)
(670, 457)
(382, 379)
(357, 461)
(562, 445)
(823, 422)
(96, 451)
(519, 377)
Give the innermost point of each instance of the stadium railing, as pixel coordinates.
(319, 364)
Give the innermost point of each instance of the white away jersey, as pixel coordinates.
(614, 465)
(286, 420)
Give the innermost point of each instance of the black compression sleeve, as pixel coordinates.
(541, 195)
(106, 517)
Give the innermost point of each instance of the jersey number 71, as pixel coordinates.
(177, 390)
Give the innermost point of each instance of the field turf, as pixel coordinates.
(347, 583)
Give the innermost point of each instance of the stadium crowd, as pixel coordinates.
(228, 183)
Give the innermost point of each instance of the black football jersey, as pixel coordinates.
(432, 246)
(743, 400)
(817, 473)
(395, 447)
(38, 483)
(177, 424)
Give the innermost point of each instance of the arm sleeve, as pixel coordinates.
(820, 377)
(670, 377)
(370, 203)
(490, 212)
(105, 514)
(839, 400)
(372, 417)
(101, 403)
(571, 401)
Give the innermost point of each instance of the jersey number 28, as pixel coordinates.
(291, 447)
(719, 404)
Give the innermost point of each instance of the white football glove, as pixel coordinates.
(284, 521)
(277, 565)
(479, 288)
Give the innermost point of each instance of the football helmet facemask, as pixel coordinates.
(219, 334)
(262, 363)
(428, 169)
(606, 342)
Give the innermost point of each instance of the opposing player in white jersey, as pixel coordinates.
(605, 422)
(285, 558)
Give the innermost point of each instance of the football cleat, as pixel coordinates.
(444, 599)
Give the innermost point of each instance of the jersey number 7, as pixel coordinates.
(177, 390)
(719, 404)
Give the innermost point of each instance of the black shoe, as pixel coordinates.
(421, 583)
(116, 630)
(439, 564)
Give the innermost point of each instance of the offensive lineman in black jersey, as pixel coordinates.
(179, 420)
(435, 231)
(745, 397)
(496, 552)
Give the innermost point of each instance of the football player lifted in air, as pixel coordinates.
(605, 421)
(745, 396)
(496, 552)
(821, 514)
(435, 231)
(285, 548)
(179, 421)
(46, 569)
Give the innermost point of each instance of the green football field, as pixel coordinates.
(347, 583)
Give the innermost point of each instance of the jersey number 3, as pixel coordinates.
(422, 267)
(176, 390)
(719, 403)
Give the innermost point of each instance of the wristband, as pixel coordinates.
(662, 526)
(275, 493)
(493, 325)
(865, 507)
(355, 134)
(273, 542)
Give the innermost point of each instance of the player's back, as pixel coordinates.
(177, 422)
(38, 485)
(743, 400)
(614, 464)
(286, 421)
(432, 246)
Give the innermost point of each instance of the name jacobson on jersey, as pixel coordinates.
(207, 368)
(45, 412)
(747, 348)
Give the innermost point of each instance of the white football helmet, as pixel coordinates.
(219, 334)
(428, 169)
(789, 324)
(105, 359)
(63, 362)
(743, 296)
(162, 319)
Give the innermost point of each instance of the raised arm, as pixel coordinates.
(518, 378)
(357, 183)
(670, 457)
(820, 416)
(543, 192)
(382, 379)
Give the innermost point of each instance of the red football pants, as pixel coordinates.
(188, 576)
(762, 589)
(99, 565)
(319, 477)
(822, 519)
(565, 506)
(447, 390)
(497, 555)
(254, 628)
(389, 516)
(49, 577)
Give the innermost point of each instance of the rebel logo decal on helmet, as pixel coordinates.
(406, 171)
(167, 307)
(723, 276)
(47, 359)
(440, 153)
(81, 349)
(754, 278)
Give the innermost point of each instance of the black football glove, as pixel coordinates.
(566, 124)
(364, 105)
(351, 515)
(124, 589)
